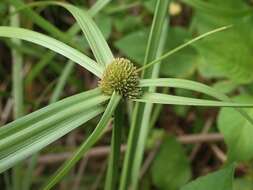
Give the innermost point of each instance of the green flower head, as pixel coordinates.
(122, 77)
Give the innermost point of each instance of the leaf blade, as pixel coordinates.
(178, 100)
(93, 35)
(192, 85)
(97, 133)
(219, 180)
(54, 45)
(33, 145)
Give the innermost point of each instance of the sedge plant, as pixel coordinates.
(119, 81)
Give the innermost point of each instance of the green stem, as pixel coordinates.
(114, 158)
(142, 112)
(17, 90)
(131, 144)
(62, 81)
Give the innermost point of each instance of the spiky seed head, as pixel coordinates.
(122, 77)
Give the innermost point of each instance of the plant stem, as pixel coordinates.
(62, 81)
(114, 158)
(142, 112)
(17, 90)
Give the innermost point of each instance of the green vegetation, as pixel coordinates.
(148, 79)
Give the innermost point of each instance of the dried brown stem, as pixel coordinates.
(104, 150)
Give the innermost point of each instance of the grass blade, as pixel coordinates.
(141, 115)
(100, 4)
(72, 31)
(17, 92)
(36, 70)
(32, 145)
(54, 45)
(184, 84)
(32, 132)
(45, 112)
(92, 139)
(93, 35)
(43, 23)
(62, 81)
(191, 85)
(158, 98)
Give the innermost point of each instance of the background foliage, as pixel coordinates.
(185, 142)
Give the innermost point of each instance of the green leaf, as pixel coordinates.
(48, 57)
(133, 45)
(87, 144)
(17, 91)
(150, 5)
(53, 44)
(184, 84)
(225, 8)
(140, 127)
(40, 125)
(45, 112)
(31, 145)
(94, 36)
(41, 22)
(184, 63)
(237, 131)
(29, 134)
(170, 169)
(191, 85)
(233, 57)
(127, 23)
(220, 180)
(225, 86)
(178, 100)
(62, 80)
(184, 45)
(104, 23)
(243, 184)
(100, 4)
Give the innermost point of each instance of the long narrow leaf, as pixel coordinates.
(191, 85)
(155, 47)
(94, 36)
(62, 81)
(42, 22)
(45, 112)
(17, 92)
(29, 134)
(178, 100)
(37, 142)
(92, 139)
(53, 44)
(44, 124)
(185, 84)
